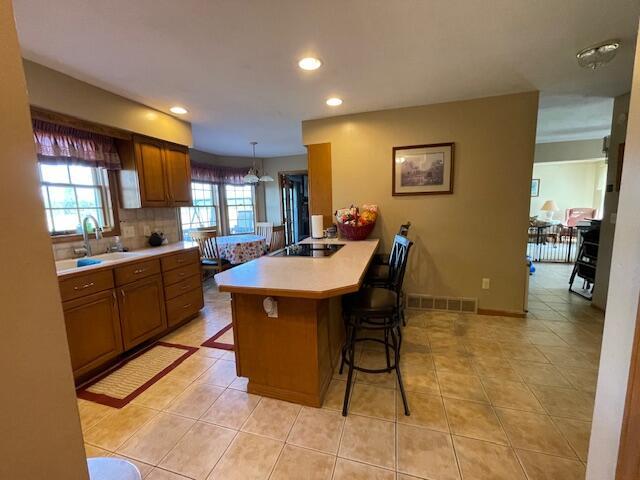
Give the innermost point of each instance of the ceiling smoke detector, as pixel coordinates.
(598, 55)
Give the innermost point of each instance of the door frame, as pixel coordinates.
(628, 467)
(280, 196)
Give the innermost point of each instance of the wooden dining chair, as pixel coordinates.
(210, 258)
(265, 229)
(277, 238)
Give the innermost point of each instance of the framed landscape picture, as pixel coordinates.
(535, 187)
(423, 169)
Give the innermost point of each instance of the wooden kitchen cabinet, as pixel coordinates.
(111, 312)
(142, 310)
(154, 173)
(93, 330)
(178, 172)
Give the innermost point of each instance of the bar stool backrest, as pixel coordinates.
(398, 262)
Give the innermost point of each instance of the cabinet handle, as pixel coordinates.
(82, 287)
(181, 274)
(123, 293)
(187, 305)
(184, 287)
(139, 270)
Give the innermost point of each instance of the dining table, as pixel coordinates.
(241, 248)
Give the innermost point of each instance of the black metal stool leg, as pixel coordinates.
(344, 349)
(347, 392)
(386, 347)
(397, 365)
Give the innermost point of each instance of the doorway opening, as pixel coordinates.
(571, 177)
(294, 204)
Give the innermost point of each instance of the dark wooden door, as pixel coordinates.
(151, 172)
(93, 330)
(178, 171)
(142, 310)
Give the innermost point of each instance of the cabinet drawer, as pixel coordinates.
(171, 262)
(191, 283)
(184, 306)
(135, 271)
(83, 285)
(182, 273)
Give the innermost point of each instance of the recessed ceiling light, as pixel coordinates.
(178, 110)
(596, 56)
(334, 101)
(309, 63)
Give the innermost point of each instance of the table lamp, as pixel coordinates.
(549, 207)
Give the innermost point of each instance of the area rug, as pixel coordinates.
(223, 339)
(118, 387)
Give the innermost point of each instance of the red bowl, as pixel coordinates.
(353, 232)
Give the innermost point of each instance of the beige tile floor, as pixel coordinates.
(491, 398)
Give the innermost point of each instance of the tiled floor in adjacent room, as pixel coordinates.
(491, 398)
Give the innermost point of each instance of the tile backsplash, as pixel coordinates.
(162, 219)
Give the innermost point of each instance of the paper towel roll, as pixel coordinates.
(317, 227)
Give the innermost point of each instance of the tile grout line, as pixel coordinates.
(284, 443)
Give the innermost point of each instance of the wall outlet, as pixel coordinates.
(128, 231)
(486, 283)
(613, 218)
(146, 230)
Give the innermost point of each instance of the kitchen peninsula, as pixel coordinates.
(290, 353)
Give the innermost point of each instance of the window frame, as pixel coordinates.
(226, 207)
(216, 205)
(112, 191)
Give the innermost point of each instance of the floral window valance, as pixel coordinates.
(217, 174)
(61, 144)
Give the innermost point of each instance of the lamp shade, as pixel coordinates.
(549, 206)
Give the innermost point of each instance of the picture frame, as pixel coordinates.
(535, 187)
(423, 169)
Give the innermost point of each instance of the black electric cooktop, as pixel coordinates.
(309, 250)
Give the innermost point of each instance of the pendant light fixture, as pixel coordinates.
(252, 175)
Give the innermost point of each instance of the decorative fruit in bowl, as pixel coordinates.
(356, 224)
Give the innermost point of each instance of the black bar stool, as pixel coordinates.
(377, 309)
(378, 272)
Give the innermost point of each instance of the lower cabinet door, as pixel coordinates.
(142, 310)
(93, 330)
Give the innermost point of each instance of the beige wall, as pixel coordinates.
(607, 231)
(574, 184)
(41, 436)
(61, 93)
(480, 230)
(273, 166)
(246, 162)
(622, 306)
(564, 151)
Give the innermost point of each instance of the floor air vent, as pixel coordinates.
(448, 304)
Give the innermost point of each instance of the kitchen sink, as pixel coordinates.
(72, 263)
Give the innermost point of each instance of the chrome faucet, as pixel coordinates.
(86, 247)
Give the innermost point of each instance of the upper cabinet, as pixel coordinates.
(178, 171)
(154, 173)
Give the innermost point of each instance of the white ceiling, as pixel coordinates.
(232, 63)
(563, 118)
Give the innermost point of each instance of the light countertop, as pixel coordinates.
(64, 268)
(303, 277)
